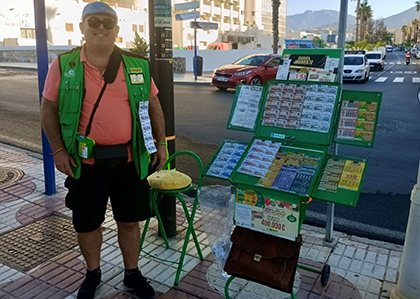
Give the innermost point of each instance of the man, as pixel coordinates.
(100, 113)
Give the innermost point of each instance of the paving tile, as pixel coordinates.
(17, 284)
(40, 288)
(391, 275)
(25, 288)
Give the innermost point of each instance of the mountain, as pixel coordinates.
(313, 19)
(401, 19)
(326, 18)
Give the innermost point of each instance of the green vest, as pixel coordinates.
(72, 92)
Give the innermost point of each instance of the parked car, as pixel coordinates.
(218, 46)
(251, 69)
(389, 48)
(376, 60)
(356, 68)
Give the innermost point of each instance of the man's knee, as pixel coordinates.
(127, 225)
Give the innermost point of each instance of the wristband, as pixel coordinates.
(59, 150)
(161, 143)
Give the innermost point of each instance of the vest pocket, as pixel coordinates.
(69, 99)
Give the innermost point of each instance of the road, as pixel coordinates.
(202, 113)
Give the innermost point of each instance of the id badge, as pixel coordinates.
(85, 146)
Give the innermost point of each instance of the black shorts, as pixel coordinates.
(88, 195)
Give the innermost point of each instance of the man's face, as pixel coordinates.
(99, 29)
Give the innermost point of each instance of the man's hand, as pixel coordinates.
(63, 161)
(160, 156)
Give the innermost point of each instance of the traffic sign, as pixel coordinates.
(204, 25)
(186, 6)
(187, 15)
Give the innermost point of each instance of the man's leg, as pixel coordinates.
(90, 245)
(129, 240)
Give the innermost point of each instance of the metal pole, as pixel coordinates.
(195, 53)
(334, 147)
(195, 50)
(160, 28)
(408, 286)
(42, 61)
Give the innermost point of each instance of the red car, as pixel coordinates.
(251, 69)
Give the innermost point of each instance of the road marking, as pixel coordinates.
(398, 80)
(370, 77)
(392, 63)
(381, 79)
(399, 62)
(403, 72)
(416, 79)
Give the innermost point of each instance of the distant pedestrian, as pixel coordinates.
(101, 114)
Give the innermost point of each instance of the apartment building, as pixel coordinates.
(63, 18)
(235, 18)
(242, 23)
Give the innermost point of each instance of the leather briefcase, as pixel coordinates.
(262, 258)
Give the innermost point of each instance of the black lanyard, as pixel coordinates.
(109, 77)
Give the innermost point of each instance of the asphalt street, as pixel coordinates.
(202, 112)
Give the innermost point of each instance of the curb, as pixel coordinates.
(19, 68)
(191, 82)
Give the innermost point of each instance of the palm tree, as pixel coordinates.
(317, 42)
(366, 13)
(417, 3)
(415, 23)
(358, 18)
(405, 30)
(276, 7)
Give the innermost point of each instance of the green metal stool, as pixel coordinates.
(190, 217)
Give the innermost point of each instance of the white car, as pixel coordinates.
(375, 59)
(356, 68)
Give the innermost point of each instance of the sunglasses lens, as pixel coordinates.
(108, 24)
(94, 22)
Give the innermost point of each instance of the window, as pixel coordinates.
(69, 42)
(119, 40)
(275, 62)
(27, 33)
(134, 28)
(258, 45)
(141, 28)
(69, 27)
(253, 13)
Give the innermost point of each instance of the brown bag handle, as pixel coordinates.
(240, 245)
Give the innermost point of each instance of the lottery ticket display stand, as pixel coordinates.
(288, 162)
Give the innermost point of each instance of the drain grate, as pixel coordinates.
(9, 175)
(33, 244)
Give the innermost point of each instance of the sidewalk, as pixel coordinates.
(178, 77)
(41, 259)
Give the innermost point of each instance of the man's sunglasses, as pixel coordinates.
(93, 22)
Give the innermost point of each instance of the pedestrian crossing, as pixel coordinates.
(397, 79)
(399, 62)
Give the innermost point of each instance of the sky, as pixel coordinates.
(381, 8)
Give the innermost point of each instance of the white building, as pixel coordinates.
(242, 23)
(63, 18)
(246, 23)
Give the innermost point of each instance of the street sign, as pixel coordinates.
(186, 6)
(187, 15)
(204, 25)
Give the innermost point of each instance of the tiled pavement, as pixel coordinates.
(361, 268)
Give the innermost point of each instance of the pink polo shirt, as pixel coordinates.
(112, 123)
